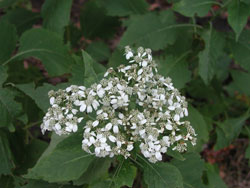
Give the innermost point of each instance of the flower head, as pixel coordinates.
(131, 105)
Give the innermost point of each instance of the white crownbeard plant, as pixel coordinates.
(134, 107)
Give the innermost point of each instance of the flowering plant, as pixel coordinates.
(132, 106)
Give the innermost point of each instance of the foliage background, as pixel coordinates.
(204, 46)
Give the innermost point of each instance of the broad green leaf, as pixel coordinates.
(6, 3)
(31, 153)
(3, 74)
(96, 23)
(98, 168)
(246, 1)
(20, 73)
(26, 19)
(241, 49)
(48, 47)
(56, 15)
(44, 184)
(7, 181)
(77, 71)
(198, 123)
(54, 141)
(214, 179)
(40, 94)
(161, 175)
(41, 184)
(90, 76)
(7, 163)
(240, 80)
(183, 43)
(126, 7)
(9, 108)
(67, 161)
(124, 175)
(192, 177)
(213, 104)
(117, 58)
(91, 69)
(209, 57)
(238, 14)
(98, 51)
(176, 68)
(190, 8)
(101, 184)
(229, 130)
(175, 154)
(151, 30)
(8, 39)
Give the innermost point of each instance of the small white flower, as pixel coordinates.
(112, 138)
(115, 129)
(95, 123)
(129, 55)
(130, 147)
(52, 100)
(108, 126)
(169, 126)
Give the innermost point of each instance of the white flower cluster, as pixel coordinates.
(134, 108)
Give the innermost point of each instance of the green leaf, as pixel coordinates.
(241, 49)
(229, 130)
(183, 43)
(175, 154)
(5, 155)
(77, 71)
(96, 23)
(33, 152)
(26, 19)
(96, 170)
(246, 1)
(66, 161)
(208, 58)
(126, 7)
(161, 175)
(8, 39)
(192, 177)
(56, 15)
(43, 184)
(157, 35)
(176, 68)
(124, 175)
(3, 73)
(7, 182)
(198, 123)
(117, 58)
(6, 3)
(214, 179)
(9, 108)
(99, 51)
(48, 47)
(238, 13)
(190, 8)
(40, 94)
(91, 69)
(240, 80)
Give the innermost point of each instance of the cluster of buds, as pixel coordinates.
(131, 106)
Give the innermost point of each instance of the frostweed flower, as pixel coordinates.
(132, 105)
